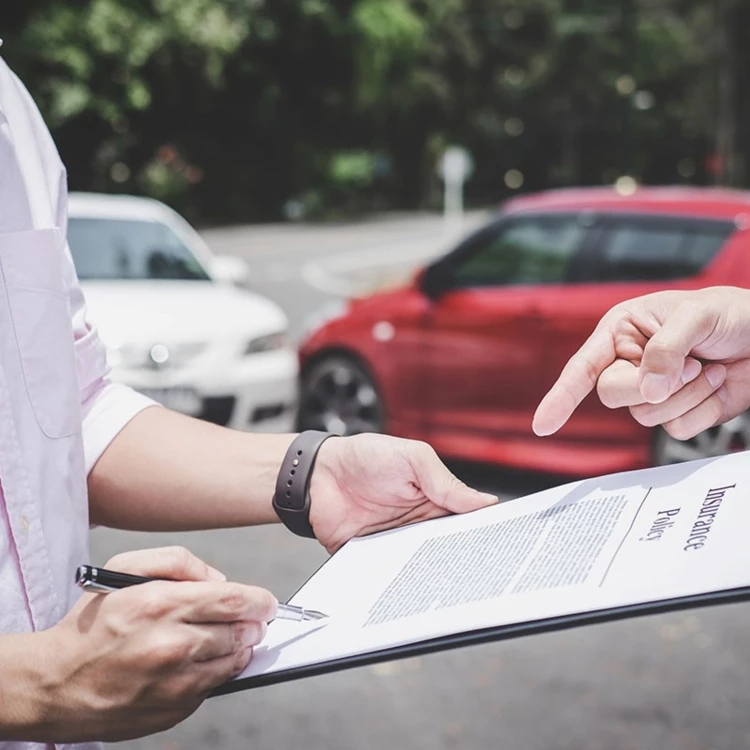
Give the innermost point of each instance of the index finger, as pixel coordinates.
(576, 381)
(174, 562)
(206, 601)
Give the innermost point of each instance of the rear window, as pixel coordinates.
(650, 251)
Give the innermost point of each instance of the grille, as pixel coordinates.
(262, 413)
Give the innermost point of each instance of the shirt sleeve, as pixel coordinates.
(106, 406)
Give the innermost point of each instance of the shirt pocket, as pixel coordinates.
(33, 271)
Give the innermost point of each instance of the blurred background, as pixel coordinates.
(404, 216)
(244, 110)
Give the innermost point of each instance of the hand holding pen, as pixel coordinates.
(137, 662)
(101, 581)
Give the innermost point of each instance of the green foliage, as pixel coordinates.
(390, 33)
(352, 168)
(236, 109)
(75, 43)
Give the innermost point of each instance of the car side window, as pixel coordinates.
(526, 250)
(648, 252)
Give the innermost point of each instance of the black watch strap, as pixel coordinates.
(291, 501)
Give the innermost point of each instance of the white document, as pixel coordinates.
(617, 540)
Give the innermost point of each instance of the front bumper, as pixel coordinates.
(256, 393)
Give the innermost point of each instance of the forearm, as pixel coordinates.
(22, 716)
(167, 472)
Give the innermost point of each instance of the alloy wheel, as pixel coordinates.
(338, 395)
(730, 437)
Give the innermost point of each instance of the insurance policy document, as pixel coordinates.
(617, 540)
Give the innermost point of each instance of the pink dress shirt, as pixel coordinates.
(58, 411)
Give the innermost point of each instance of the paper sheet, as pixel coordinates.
(616, 540)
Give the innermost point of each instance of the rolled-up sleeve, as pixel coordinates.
(106, 407)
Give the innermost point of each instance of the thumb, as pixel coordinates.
(443, 488)
(663, 362)
(175, 563)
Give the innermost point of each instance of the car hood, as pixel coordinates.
(133, 311)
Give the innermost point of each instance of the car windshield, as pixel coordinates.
(109, 249)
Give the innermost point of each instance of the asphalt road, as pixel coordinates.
(298, 265)
(674, 682)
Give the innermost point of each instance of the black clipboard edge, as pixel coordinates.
(488, 635)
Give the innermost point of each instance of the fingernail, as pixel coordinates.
(214, 575)
(488, 499)
(542, 423)
(655, 387)
(715, 375)
(691, 370)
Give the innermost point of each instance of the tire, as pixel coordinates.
(730, 437)
(338, 395)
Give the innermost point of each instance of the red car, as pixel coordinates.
(462, 356)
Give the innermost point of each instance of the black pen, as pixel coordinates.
(101, 581)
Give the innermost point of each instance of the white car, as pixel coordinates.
(175, 326)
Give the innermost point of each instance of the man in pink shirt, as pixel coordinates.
(76, 449)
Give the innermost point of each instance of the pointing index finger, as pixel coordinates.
(577, 380)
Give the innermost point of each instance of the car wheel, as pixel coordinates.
(338, 395)
(730, 437)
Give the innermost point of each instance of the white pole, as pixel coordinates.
(454, 171)
(453, 207)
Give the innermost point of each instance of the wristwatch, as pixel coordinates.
(291, 501)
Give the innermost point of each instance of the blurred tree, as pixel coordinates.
(95, 67)
(728, 41)
(253, 109)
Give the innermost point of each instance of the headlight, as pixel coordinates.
(267, 343)
(155, 356)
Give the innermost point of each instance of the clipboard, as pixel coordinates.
(654, 541)
(488, 635)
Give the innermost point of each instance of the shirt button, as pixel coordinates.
(25, 524)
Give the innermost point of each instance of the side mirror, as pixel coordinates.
(435, 280)
(228, 269)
